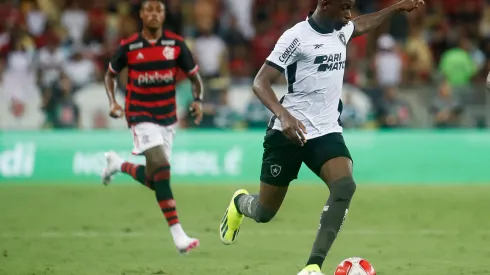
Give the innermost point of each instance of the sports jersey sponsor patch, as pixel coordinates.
(289, 51)
(135, 46)
(168, 42)
(155, 78)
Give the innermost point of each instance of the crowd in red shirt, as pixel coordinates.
(248, 29)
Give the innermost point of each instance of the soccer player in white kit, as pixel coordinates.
(306, 127)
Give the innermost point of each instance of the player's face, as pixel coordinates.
(152, 14)
(341, 10)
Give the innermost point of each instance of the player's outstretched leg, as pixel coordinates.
(115, 164)
(261, 208)
(337, 173)
(158, 166)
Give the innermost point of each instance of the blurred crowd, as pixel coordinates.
(58, 47)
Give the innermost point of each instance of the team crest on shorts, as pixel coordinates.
(275, 170)
(341, 36)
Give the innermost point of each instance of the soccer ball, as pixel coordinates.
(355, 266)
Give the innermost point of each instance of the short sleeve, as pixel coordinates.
(349, 30)
(186, 60)
(286, 51)
(119, 60)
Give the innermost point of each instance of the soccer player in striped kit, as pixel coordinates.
(153, 58)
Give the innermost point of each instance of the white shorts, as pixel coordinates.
(147, 135)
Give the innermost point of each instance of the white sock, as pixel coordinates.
(177, 232)
(118, 162)
(119, 165)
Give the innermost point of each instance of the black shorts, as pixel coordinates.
(282, 158)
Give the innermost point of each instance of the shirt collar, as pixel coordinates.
(323, 30)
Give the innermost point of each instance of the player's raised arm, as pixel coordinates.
(285, 53)
(117, 63)
(369, 22)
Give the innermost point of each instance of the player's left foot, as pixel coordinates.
(312, 269)
(230, 224)
(113, 165)
(185, 246)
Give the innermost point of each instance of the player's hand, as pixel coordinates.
(409, 5)
(196, 111)
(488, 81)
(116, 110)
(293, 128)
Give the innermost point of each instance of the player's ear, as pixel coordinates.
(324, 4)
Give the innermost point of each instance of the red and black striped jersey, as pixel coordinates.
(152, 72)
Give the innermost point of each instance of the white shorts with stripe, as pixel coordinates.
(147, 135)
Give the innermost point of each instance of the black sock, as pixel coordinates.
(332, 219)
(163, 192)
(137, 172)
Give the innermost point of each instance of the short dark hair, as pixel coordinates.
(144, 2)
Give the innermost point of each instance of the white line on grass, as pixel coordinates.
(113, 234)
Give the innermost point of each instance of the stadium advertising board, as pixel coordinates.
(207, 157)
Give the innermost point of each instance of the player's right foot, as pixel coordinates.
(113, 165)
(184, 247)
(312, 269)
(230, 224)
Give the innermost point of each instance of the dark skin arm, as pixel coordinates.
(488, 81)
(110, 86)
(366, 23)
(197, 92)
(262, 87)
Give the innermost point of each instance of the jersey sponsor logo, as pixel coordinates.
(169, 53)
(155, 78)
(275, 170)
(331, 62)
(140, 56)
(135, 46)
(168, 42)
(318, 46)
(342, 38)
(289, 51)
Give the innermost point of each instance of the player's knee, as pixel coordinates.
(264, 215)
(343, 188)
(152, 164)
(155, 157)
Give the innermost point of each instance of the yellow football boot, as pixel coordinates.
(230, 224)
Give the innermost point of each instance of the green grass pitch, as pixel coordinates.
(119, 230)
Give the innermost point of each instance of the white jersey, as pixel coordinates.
(313, 60)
